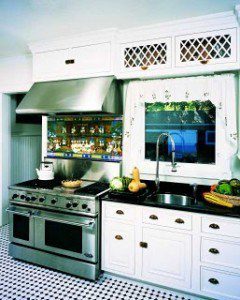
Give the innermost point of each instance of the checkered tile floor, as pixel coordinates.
(20, 280)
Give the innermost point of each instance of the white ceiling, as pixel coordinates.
(24, 21)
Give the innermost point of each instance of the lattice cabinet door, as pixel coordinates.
(146, 55)
(207, 48)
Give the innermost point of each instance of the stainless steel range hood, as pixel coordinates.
(102, 94)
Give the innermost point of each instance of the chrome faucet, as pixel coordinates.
(174, 164)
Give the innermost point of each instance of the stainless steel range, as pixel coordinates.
(51, 226)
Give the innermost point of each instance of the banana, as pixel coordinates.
(216, 200)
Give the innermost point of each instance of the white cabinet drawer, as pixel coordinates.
(220, 283)
(118, 247)
(168, 218)
(220, 252)
(220, 226)
(119, 211)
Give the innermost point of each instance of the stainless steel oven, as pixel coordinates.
(70, 235)
(21, 222)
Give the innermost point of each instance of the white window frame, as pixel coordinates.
(134, 150)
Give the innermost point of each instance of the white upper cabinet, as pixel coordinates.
(216, 47)
(192, 46)
(145, 56)
(88, 55)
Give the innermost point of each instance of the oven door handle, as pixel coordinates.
(13, 211)
(90, 224)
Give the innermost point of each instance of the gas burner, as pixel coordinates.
(52, 196)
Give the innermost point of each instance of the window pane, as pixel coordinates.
(192, 126)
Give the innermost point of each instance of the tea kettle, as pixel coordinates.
(45, 171)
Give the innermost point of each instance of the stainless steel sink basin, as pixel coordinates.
(174, 199)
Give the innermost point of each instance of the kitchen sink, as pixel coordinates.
(173, 199)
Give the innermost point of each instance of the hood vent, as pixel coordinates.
(97, 95)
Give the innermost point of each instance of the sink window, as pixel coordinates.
(192, 125)
(200, 115)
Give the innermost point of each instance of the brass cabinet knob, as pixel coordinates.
(144, 68)
(118, 237)
(204, 61)
(119, 212)
(179, 221)
(214, 226)
(153, 217)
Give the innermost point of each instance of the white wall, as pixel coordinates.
(15, 76)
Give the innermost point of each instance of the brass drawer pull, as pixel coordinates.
(179, 221)
(144, 68)
(118, 237)
(119, 212)
(143, 244)
(153, 217)
(204, 62)
(214, 226)
(213, 251)
(69, 61)
(213, 281)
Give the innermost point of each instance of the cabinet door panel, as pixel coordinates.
(146, 55)
(167, 258)
(206, 48)
(92, 58)
(118, 247)
(48, 65)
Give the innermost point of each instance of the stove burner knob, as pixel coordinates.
(69, 205)
(75, 204)
(54, 201)
(28, 199)
(14, 196)
(42, 199)
(22, 197)
(84, 206)
(33, 198)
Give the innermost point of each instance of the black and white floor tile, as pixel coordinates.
(24, 281)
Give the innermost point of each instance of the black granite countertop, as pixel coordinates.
(197, 206)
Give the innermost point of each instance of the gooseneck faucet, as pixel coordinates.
(174, 169)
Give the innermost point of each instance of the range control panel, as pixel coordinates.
(64, 203)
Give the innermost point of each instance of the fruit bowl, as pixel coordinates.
(71, 184)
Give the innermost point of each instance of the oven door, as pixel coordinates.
(21, 223)
(70, 235)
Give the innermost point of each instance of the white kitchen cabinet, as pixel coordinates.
(220, 252)
(167, 258)
(222, 285)
(143, 244)
(119, 247)
(145, 56)
(77, 62)
(216, 47)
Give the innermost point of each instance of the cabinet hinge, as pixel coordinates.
(226, 121)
